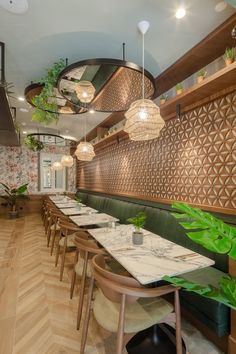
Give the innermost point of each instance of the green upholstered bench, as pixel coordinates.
(159, 220)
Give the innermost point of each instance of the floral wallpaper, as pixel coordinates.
(18, 165)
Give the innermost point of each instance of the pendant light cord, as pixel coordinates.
(143, 67)
(85, 128)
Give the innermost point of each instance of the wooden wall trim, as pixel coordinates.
(165, 201)
(206, 51)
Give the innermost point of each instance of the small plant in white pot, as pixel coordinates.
(78, 202)
(138, 221)
(201, 74)
(229, 56)
(179, 88)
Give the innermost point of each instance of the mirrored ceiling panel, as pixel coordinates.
(117, 83)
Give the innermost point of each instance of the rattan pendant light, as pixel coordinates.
(143, 119)
(85, 91)
(67, 161)
(85, 150)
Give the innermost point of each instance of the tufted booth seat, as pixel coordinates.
(160, 221)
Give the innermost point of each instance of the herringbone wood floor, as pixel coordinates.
(36, 314)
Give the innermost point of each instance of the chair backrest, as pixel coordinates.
(114, 285)
(86, 245)
(67, 227)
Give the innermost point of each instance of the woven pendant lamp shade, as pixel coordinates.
(143, 120)
(67, 161)
(85, 91)
(57, 166)
(85, 151)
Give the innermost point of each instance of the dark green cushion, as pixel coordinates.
(212, 313)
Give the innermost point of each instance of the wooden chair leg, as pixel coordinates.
(82, 288)
(73, 279)
(53, 241)
(57, 254)
(87, 317)
(63, 259)
(178, 324)
(121, 325)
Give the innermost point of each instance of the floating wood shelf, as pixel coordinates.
(200, 93)
(116, 135)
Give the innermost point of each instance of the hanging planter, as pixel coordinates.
(45, 106)
(33, 144)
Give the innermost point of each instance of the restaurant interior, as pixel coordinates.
(118, 177)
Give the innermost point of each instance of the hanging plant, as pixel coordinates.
(33, 144)
(45, 111)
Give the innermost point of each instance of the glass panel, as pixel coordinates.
(46, 174)
(59, 179)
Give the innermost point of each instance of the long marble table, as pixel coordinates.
(153, 259)
(93, 219)
(76, 211)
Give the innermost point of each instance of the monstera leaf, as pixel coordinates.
(225, 294)
(208, 231)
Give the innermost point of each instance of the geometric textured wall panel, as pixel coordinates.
(193, 160)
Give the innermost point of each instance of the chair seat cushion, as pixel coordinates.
(79, 268)
(70, 241)
(53, 227)
(214, 314)
(138, 315)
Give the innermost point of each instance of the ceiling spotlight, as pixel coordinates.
(233, 33)
(221, 6)
(91, 111)
(24, 132)
(22, 99)
(25, 110)
(180, 13)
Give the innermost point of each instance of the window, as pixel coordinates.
(50, 180)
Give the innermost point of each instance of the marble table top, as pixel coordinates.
(153, 259)
(75, 211)
(92, 219)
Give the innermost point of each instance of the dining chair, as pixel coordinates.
(66, 242)
(54, 228)
(123, 306)
(86, 248)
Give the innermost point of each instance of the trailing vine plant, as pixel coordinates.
(216, 236)
(45, 110)
(33, 144)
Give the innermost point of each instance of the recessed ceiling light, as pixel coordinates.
(180, 13)
(221, 6)
(21, 98)
(91, 111)
(24, 132)
(24, 110)
(15, 6)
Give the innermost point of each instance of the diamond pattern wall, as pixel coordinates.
(193, 160)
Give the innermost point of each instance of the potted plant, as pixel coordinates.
(201, 74)
(163, 98)
(45, 106)
(33, 144)
(228, 56)
(179, 88)
(138, 221)
(78, 201)
(11, 197)
(216, 236)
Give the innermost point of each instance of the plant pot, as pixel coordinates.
(162, 101)
(13, 214)
(137, 238)
(78, 206)
(178, 92)
(200, 79)
(229, 61)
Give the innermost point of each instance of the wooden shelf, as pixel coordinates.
(116, 135)
(194, 96)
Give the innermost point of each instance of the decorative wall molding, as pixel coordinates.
(193, 161)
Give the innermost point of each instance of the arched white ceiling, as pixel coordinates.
(73, 29)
